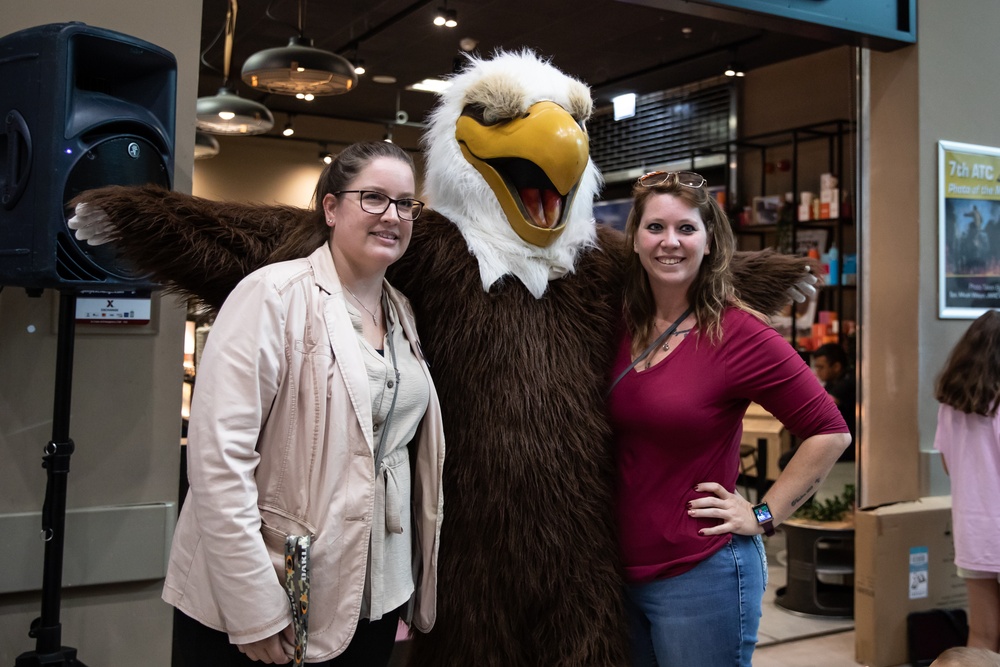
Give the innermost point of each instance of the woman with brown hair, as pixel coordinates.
(690, 360)
(968, 437)
(315, 417)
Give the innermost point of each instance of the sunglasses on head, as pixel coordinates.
(688, 179)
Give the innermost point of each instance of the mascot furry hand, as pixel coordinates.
(516, 293)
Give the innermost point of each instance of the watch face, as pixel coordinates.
(763, 512)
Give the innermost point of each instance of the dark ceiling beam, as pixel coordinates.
(389, 22)
(731, 48)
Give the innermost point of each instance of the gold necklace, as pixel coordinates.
(374, 321)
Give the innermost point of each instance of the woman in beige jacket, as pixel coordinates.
(315, 414)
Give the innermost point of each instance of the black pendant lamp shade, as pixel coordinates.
(205, 146)
(228, 113)
(299, 68)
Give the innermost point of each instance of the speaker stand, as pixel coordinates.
(46, 630)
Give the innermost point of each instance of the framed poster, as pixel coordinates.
(968, 230)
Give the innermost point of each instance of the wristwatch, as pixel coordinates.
(764, 518)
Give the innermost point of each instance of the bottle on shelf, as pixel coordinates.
(833, 265)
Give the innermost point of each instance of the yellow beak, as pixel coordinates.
(533, 164)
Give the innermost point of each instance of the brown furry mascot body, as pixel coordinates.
(528, 569)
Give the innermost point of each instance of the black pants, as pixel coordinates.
(196, 645)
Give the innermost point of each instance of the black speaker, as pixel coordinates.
(82, 107)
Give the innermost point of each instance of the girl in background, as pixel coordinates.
(968, 437)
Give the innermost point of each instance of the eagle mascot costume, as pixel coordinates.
(517, 296)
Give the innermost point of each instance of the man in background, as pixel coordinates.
(832, 367)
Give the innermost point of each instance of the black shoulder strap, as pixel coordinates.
(656, 343)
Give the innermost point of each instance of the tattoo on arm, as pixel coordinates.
(806, 494)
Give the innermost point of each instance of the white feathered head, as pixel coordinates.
(508, 162)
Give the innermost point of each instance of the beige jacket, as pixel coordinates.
(281, 442)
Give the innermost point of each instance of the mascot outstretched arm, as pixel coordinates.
(517, 295)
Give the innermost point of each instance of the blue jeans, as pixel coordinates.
(707, 616)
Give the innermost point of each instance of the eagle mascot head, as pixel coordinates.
(507, 161)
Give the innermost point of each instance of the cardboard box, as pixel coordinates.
(904, 562)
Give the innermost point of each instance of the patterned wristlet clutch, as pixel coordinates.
(297, 587)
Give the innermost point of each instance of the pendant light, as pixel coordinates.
(226, 112)
(205, 146)
(299, 68)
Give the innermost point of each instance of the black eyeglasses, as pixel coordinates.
(377, 203)
(688, 179)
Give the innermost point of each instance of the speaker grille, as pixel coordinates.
(122, 160)
(69, 269)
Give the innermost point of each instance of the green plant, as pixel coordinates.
(831, 509)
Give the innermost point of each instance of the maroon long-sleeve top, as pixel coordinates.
(680, 422)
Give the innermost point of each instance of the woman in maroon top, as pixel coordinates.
(694, 559)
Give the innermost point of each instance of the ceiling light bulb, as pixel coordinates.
(300, 96)
(309, 97)
(439, 18)
(327, 159)
(451, 20)
(359, 66)
(289, 130)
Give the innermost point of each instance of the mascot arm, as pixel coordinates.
(767, 280)
(193, 246)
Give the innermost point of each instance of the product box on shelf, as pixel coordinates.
(904, 562)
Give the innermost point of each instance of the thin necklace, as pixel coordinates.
(666, 344)
(681, 332)
(374, 321)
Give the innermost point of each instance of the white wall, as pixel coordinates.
(276, 170)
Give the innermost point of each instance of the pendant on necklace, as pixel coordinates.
(666, 344)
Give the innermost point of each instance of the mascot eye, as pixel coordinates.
(478, 113)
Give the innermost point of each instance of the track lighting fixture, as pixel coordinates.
(289, 130)
(359, 66)
(446, 17)
(734, 69)
(325, 156)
